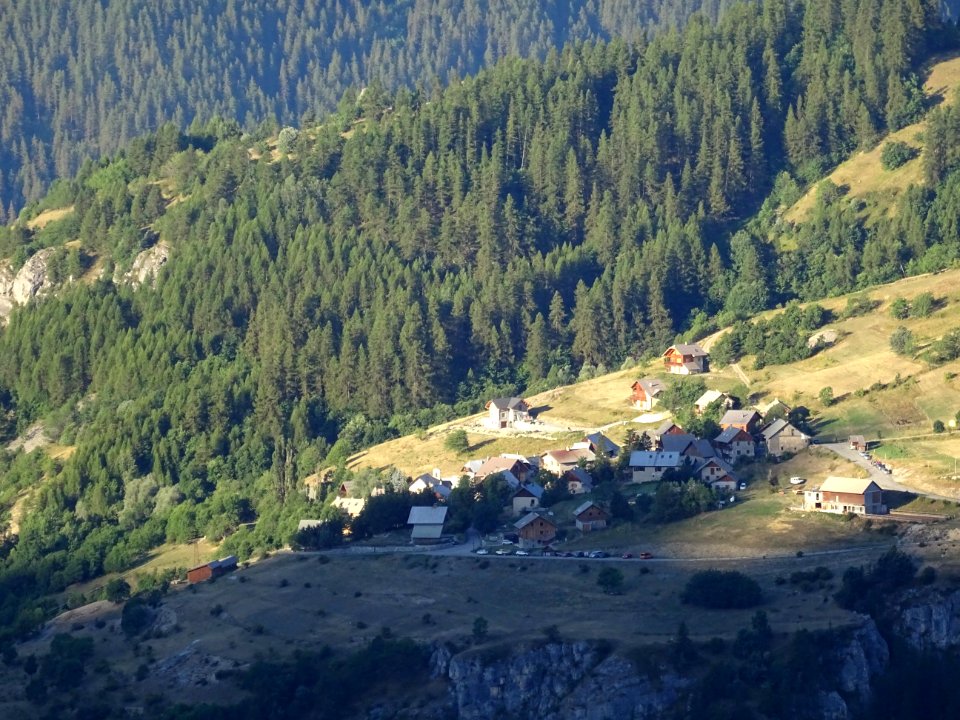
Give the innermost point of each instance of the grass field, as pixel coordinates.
(864, 175)
(48, 216)
(296, 602)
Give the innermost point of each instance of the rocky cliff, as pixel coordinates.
(553, 681)
(146, 266)
(585, 681)
(32, 280)
(930, 620)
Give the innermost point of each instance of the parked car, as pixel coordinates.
(646, 556)
(626, 556)
(742, 485)
(797, 480)
(503, 551)
(483, 551)
(521, 552)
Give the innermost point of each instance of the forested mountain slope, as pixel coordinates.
(408, 257)
(120, 68)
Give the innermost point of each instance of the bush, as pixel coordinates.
(826, 396)
(610, 580)
(900, 309)
(922, 305)
(117, 590)
(720, 590)
(901, 341)
(938, 426)
(136, 617)
(457, 442)
(895, 154)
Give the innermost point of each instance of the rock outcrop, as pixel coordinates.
(554, 681)
(6, 289)
(860, 660)
(146, 266)
(32, 280)
(584, 681)
(930, 620)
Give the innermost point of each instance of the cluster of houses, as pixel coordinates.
(762, 431)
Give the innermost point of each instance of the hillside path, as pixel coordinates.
(740, 373)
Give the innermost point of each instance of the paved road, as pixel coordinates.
(886, 482)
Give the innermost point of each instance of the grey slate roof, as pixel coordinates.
(584, 506)
(739, 417)
(533, 488)
(580, 474)
(599, 440)
(640, 458)
(664, 427)
(727, 436)
(719, 462)
(652, 386)
(677, 443)
(529, 518)
(505, 403)
(427, 515)
(689, 349)
(775, 428)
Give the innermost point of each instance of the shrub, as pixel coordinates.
(718, 589)
(480, 629)
(117, 590)
(900, 309)
(136, 617)
(901, 341)
(922, 305)
(938, 426)
(826, 396)
(457, 442)
(895, 154)
(610, 580)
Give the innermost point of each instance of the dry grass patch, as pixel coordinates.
(864, 174)
(415, 456)
(49, 216)
(294, 603)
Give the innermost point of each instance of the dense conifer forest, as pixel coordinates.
(121, 68)
(397, 262)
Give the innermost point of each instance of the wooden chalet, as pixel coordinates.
(535, 530)
(645, 392)
(685, 359)
(590, 516)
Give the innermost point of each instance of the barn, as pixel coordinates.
(860, 496)
(212, 569)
